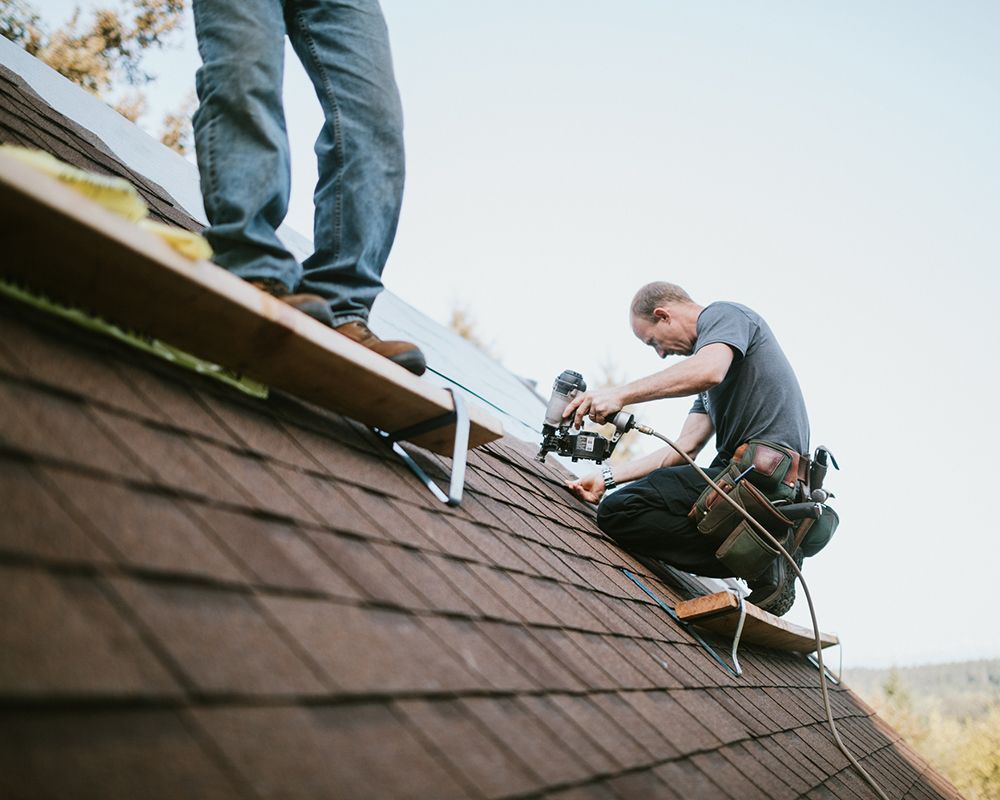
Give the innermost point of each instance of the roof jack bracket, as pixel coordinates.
(460, 417)
(834, 679)
(736, 671)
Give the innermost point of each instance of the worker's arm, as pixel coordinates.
(703, 370)
(696, 431)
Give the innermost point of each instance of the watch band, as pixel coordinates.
(609, 477)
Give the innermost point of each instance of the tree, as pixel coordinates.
(104, 54)
(464, 324)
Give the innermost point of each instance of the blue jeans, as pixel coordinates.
(243, 153)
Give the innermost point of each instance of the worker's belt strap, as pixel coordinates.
(772, 463)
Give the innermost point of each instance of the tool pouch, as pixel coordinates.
(820, 532)
(775, 467)
(745, 552)
(740, 547)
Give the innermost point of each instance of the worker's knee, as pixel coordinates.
(615, 512)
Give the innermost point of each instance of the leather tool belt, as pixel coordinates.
(759, 474)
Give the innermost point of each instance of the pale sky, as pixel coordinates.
(832, 165)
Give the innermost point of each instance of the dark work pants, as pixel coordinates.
(650, 517)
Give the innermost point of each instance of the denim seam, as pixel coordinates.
(338, 145)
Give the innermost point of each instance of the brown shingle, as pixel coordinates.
(624, 674)
(652, 670)
(531, 739)
(522, 606)
(681, 733)
(523, 646)
(479, 654)
(767, 761)
(175, 460)
(367, 568)
(247, 655)
(647, 734)
(589, 791)
(434, 532)
(732, 781)
(372, 651)
(255, 430)
(703, 707)
(263, 489)
(149, 531)
(586, 744)
(484, 760)
(41, 424)
(394, 523)
(34, 522)
(557, 602)
(645, 783)
(621, 747)
(337, 751)
(686, 780)
(491, 542)
(275, 553)
(175, 404)
(584, 663)
(328, 504)
(106, 755)
(48, 357)
(60, 636)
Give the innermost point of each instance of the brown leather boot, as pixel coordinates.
(309, 304)
(406, 354)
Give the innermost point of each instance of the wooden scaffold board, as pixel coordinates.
(75, 252)
(720, 613)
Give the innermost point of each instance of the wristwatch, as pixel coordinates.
(609, 478)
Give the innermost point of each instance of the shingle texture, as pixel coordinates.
(210, 596)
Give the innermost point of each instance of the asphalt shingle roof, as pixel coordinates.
(213, 596)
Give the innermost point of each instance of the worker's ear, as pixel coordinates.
(662, 313)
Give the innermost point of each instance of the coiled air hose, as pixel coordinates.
(805, 588)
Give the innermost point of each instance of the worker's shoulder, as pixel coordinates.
(728, 307)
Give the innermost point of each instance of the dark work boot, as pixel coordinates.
(406, 354)
(774, 589)
(311, 305)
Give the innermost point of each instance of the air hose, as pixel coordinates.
(805, 588)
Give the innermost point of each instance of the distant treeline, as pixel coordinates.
(950, 713)
(962, 690)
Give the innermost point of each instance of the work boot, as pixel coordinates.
(311, 305)
(774, 589)
(406, 354)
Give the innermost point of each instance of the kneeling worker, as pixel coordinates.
(744, 389)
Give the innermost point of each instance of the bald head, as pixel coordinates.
(656, 295)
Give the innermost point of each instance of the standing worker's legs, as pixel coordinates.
(650, 517)
(345, 49)
(240, 136)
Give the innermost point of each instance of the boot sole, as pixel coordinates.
(412, 361)
(781, 602)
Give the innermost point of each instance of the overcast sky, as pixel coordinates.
(832, 165)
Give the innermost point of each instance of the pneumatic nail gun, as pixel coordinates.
(558, 435)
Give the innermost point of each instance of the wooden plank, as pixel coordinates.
(72, 250)
(719, 613)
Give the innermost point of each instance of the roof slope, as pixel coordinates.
(211, 596)
(218, 596)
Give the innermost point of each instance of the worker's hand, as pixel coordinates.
(589, 488)
(600, 405)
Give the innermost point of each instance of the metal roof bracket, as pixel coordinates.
(736, 671)
(834, 679)
(459, 416)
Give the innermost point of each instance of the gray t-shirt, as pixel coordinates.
(760, 396)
